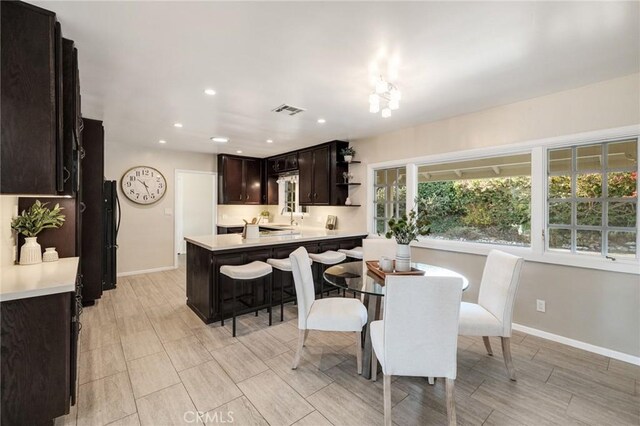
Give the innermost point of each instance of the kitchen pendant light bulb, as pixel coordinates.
(394, 104)
(381, 86)
(395, 95)
(374, 108)
(386, 113)
(374, 99)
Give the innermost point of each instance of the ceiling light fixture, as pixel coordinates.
(220, 139)
(269, 140)
(385, 97)
(162, 141)
(239, 152)
(179, 125)
(209, 92)
(321, 121)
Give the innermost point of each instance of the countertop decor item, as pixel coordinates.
(347, 176)
(50, 254)
(348, 202)
(30, 223)
(348, 153)
(264, 216)
(406, 229)
(143, 185)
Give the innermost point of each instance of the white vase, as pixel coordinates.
(347, 202)
(348, 158)
(30, 252)
(403, 258)
(50, 254)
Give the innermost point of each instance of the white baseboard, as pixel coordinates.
(578, 344)
(147, 271)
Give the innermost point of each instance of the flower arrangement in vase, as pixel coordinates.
(30, 223)
(406, 229)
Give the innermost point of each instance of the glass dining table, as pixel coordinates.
(354, 277)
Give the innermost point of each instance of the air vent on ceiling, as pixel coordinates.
(288, 109)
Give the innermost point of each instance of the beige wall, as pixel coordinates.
(146, 237)
(597, 307)
(198, 205)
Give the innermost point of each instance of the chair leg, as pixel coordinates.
(387, 400)
(359, 351)
(506, 354)
(431, 380)
(374, 366)
(302, 334)
(451, 401)
(281, 297)
(233, 309)
(306, 334)
(270, 296)
(487, 345)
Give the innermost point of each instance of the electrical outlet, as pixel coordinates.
(541, 305)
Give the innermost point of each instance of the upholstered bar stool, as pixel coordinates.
(324, 260)
(282, 267)
(241, 273)
(354, 253)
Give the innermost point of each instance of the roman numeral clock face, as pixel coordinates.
(143, 185)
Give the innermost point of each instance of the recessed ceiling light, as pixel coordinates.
(220, 139)
(321, 121)
(162, 141)
(177, 124)
(269, 140)
(239, 152)
(209, 92)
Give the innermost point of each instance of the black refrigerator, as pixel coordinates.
(111, 211)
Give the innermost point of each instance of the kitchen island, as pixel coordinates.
(205, 254)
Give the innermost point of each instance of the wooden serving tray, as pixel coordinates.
(374, 267)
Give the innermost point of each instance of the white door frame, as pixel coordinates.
(177, 203)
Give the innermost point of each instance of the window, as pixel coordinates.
(592, 199)
(482, 200)
(390, 196)
(288, 197)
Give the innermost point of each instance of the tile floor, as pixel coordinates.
(147, 359)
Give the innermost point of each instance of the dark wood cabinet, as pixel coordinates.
(30, 120)
(38, 352)
(72, 118)
(240, 180)
(317, 175)
(282, 163)
(93, 243)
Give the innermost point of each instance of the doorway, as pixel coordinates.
(196, 200)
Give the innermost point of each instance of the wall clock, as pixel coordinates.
(143, 185)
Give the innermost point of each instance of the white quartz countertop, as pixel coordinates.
(23, 281)
(235, 241)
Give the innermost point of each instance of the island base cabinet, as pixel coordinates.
(206, 286)
(36, 359)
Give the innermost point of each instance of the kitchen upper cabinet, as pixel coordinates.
(315, 171)
(283, 163)
(72, 118)
(240, 180)
(31, 116)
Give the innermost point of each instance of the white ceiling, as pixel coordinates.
(144, 65)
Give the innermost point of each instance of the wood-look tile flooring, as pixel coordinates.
(147, 359)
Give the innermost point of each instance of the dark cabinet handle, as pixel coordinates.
(315, 195)
(82, 153)
(247, 197)
(67, 174)
(309, 195)
(83, 207)
(240, 197)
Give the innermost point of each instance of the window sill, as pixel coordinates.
(627, 266)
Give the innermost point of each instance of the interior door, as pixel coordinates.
(253, 181)
(321, 182)
(305, 178)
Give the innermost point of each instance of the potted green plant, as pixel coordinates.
(406, 229)
(264, 216)
(30, 223)
(348, 153)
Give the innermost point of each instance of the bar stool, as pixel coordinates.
(324, 260)
(282, 266)
(239, 274)
(354, 253)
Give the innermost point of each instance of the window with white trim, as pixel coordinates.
(483, 200)
(592, 199)
(389, 196)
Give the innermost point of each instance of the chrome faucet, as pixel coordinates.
(292, 221)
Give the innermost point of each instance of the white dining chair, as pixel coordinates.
(331, 314)
(419, 333)
(492, 315)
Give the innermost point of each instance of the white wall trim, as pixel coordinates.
(578, 344)
(147, 271)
